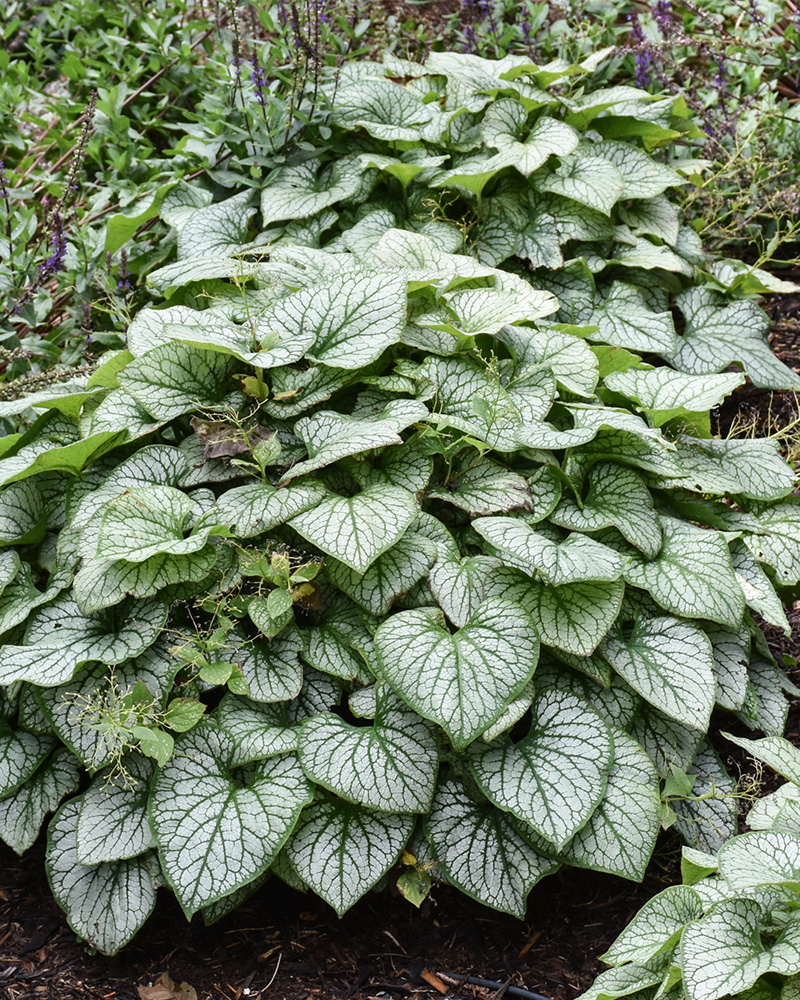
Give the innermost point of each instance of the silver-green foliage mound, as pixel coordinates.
(733, 927)
(400, 523)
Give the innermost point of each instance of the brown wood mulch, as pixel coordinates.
(286, 946)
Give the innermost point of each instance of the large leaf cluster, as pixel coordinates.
(403, 509)
(732, 928)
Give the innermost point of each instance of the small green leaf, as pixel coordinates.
(154, 743)
(183, 714)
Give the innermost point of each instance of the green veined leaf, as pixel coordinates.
(156, 464)
(752, 468)
(340, 642)
(722, 954)
(107, 903)
(341, 850)
(23, 812)
(392, 574)
(775, 751)
(622, 982)
(590, 181)
(731, 648)
(759, 592)
(652, 217)
(479, 851)
(298, 191)
(621, 833)
(718, 334)
(777, 542)
(214, 833)
(657, 926)
(356, 530)
(113, 822)
(554, 778)
(548, 137)
(384, 109)
(177, 378)
(669, 744)
(485, 488)
(258, 730)
(102, 583)
(353, 319)
(662, 389)
(761, 858)
(257, 507)
(575, 559)
(709, 817)
(459, 585)
(670, 664)
(270, 667)
(464, 681)
(21, 754)
(617, 498)
(650, 257)
(569, 359)
(388, 766)
(573, 617)
(148, 520)
(331, 436)
(692, 575)
(25, 505)
(58, 639)
(217, 228)
(643, 176)
(473, 400)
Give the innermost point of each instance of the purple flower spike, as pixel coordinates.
(123, 274)
(662, 15)
(58, 243)
(259, 78)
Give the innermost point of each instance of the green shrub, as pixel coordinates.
(397, 530)
(732, 928)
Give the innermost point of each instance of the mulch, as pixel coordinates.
(286, 946)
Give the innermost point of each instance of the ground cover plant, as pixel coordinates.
(732, 927)
(396, 533)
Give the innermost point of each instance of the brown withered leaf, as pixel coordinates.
(165, 988)
(224, 440)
